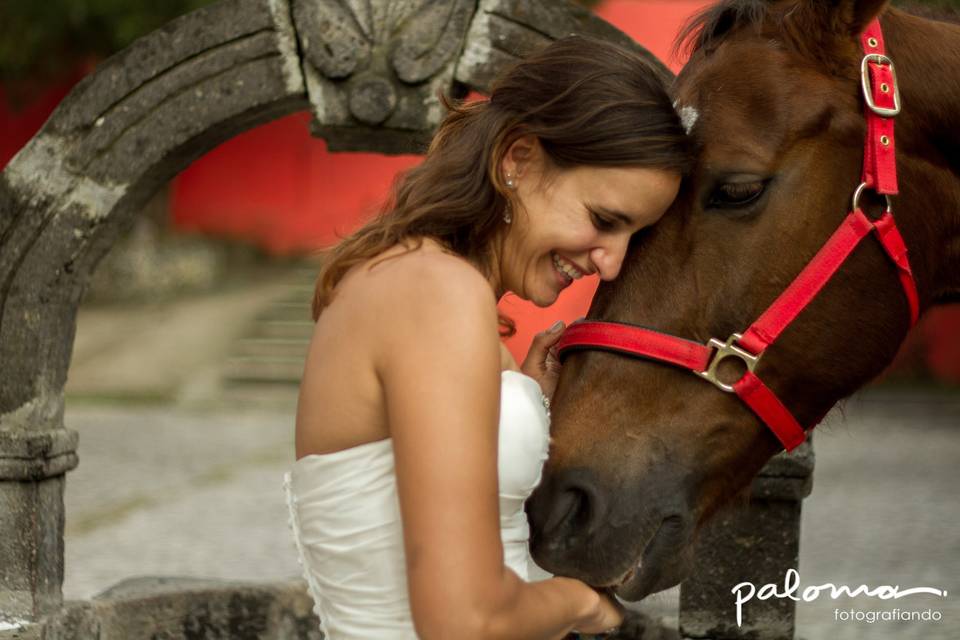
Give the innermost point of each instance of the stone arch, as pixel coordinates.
(368, 71)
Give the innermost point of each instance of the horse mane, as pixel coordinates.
(708, 28)
(792, 28)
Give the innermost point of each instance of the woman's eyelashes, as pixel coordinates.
(600, 222)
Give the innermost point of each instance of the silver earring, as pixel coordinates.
(510, 182)
(506, 214)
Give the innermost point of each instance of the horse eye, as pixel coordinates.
(736, 195)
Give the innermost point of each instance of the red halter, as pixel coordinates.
(882, 103)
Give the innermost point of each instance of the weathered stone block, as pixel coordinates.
(31, 547)
(186, 609)
(756, 544)
(503, 31)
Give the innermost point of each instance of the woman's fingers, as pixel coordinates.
(542, 363)
(543, 342)
(607, 618)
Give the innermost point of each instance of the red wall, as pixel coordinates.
(279, 188)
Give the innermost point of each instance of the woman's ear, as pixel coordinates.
(521, 154)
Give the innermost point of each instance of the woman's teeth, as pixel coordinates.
(565, 267)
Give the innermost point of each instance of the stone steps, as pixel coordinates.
(266, 364)
(272, 347)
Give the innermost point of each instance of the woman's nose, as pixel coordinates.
(608, 259)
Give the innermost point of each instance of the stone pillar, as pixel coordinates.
(32, 470)
(759, 544)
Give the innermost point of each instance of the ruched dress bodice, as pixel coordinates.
(345, 519)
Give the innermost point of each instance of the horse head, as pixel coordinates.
(642, 453)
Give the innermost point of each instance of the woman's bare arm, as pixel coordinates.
(438, 359)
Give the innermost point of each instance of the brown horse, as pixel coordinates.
(644, 453)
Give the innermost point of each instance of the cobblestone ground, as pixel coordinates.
(178, 493)
(884, 511)
(162, 491)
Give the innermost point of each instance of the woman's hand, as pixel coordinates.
(542, 363)
(607, 616)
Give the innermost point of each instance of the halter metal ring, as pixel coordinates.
(725, 350)
(859, 192)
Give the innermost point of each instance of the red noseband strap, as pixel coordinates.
(636, 341)
(882, 103)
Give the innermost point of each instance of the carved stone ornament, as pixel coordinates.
(379, 64)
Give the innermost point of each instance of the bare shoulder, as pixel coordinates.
(407, 297)
(422, 280)
(429, 269)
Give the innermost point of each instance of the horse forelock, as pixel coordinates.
(812, 31)
(706, 29)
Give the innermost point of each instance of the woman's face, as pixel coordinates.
(568, 223)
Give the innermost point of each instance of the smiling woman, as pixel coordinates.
(552, 125)
(418, 436)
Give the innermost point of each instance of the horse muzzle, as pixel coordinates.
(664, 563)
(590, 529)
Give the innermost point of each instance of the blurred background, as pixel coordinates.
(190, 346)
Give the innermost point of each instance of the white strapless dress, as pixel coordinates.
(345, 518)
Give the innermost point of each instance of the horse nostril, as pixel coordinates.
(566, 510)
(569, 505)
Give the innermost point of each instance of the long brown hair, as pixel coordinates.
(587, 102)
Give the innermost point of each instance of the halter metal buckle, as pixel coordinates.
(725, 350)
(879, 58)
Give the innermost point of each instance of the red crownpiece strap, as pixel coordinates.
(880, 88)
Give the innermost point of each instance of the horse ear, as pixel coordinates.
(855, 15)
(864, 11)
